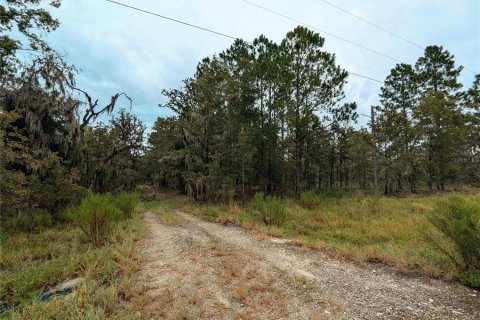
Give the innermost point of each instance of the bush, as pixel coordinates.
(311, 200)
(126, 203)
(95, 216)
(34, 221)
(457, 218)
(270, 208)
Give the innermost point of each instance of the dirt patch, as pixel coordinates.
(196, 269)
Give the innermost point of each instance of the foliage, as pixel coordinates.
(25, 20)
(424, 133)
(33, 262)
(43, 121)
(14, 183)
(250, 117)
(32, 221)
(96, 215)
(311, 200)
(270, 208)
(126, 203)
(111, 154)
(268, 117)
(388, 230)
(457, 217)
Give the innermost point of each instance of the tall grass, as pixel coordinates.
(270, 208)
(311, 200)
(97, 213)
(33, 262)
(363, 228)
(126, 203)
(457, 218)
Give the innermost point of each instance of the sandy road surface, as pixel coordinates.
(201, 270)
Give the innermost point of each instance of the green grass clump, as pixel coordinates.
(39, 219)
(95, 217)
(126, 203)
(457, 218)
(270, 208)
(311, 200)
(97, 213)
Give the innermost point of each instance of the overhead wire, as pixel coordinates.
(209, 30)
(323, 31)
(172, 19)
(343, 39)
(373, 24)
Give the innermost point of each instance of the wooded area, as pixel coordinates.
(259, 116)
(270, 117)
(262, 138)
(53, 151)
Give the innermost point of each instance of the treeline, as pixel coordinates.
(264, 116)
(428, 127)
(52, 151)
(269, 117)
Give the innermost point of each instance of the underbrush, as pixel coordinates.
(311, 200)
(270, 209)
(33, 262)
(457, 220)
(388, 230)
(97, 213)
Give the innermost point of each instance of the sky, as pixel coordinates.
(121, 50)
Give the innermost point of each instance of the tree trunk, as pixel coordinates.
(374, 149)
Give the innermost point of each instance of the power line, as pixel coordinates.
(373, 24)
(209, 30)
(396, 35)
(359, 75)
(174, 20)
(320, 30)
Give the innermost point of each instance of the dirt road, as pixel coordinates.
(201, 270)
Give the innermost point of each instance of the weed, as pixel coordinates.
(241, 291)
(311, 200)
(271, 209)
(457, 218)
(95, 216)
(34, 262)
(126, 203)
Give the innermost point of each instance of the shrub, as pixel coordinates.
(95, 216)
(311, 200)
(457, 218)
(270, 208)
(34, 221)
(126, 203)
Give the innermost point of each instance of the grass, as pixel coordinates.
(387, 230)
(33, 262)
(164, 208)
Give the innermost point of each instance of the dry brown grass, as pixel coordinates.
(241, 292)
(333, 305)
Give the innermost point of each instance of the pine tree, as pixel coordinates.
(314, 83)
(399, 98)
